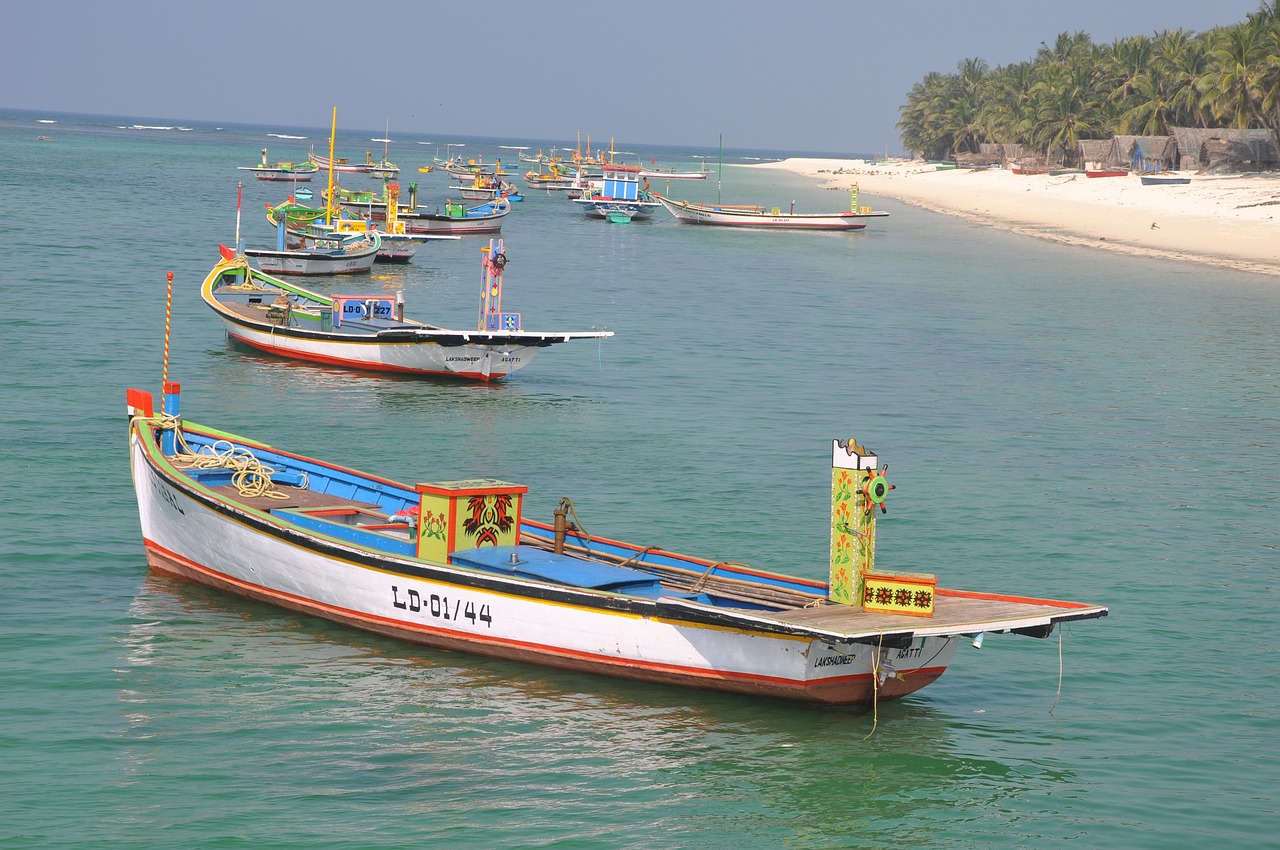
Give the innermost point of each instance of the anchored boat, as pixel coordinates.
(457, 565)
(740, 215)
(371, 331)
(296, 172)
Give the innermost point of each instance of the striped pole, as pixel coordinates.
(168, 312)
(168, 405)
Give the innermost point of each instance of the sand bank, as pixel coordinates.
(1223, 220)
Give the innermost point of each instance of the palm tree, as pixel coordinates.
(1183, 58)
(1233, 82)
(1004, 115)
(1068, 109)
(1152, 110)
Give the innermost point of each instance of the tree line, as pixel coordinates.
(1227, 77)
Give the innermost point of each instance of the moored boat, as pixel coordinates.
(457, 565)
(299, 172)
(454, 218)
(310, 225)
(740, 215)
(619, 195)
(1163, 180)
(340, 253)
(371, 332)
(1106, 173)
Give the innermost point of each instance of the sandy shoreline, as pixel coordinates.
(1223, 220)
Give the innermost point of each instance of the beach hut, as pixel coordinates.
(1098, 154)
(1148, 153)
(1226, 150)
(1247, 154)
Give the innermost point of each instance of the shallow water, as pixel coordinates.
(1058, 422)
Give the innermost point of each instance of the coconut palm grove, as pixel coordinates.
(1074, 90)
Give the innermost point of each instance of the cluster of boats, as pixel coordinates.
(457, 564)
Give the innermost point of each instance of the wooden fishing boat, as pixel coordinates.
(1157, 180)
(336, 164)
(484, 188)
(308, 225)
(471, 170)
(371, 332)
(620, 197)
(739, 215)
(1106, 173)
(455, 218)
(298, 172)
(457, 565)
(660, 173)
(352, 253)
(550, 179)
(382, 169)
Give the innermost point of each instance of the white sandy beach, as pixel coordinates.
(1223, 220)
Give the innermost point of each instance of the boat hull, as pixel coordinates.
(191, 534)
(285, 176)
(305, 262)
(605, 209)
(473, 362)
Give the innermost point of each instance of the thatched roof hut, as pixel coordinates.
(1148, 153)
(1226, 150)
(1097, 153)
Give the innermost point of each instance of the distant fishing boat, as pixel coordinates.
(1154, 180)
(618, 196)
(744, 215)
(299, 172)
(371, 331)
(1106, 173)
(312, 225)
(455, 218)
(660, 173)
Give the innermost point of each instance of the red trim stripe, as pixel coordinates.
(365, 365)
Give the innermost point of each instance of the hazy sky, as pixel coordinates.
(805, 75)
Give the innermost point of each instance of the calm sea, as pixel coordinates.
(1059, 422)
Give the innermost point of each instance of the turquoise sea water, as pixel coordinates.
(1059, 422)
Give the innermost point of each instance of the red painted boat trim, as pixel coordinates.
(365, 365)
(1002, 597)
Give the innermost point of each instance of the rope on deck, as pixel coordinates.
(250, 476)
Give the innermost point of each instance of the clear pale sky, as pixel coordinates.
(805, 75)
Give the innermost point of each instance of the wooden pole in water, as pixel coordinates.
(239, 196)
(328, 204)
(720, 173)
(168, 312)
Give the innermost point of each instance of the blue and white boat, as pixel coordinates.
(619, 195)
